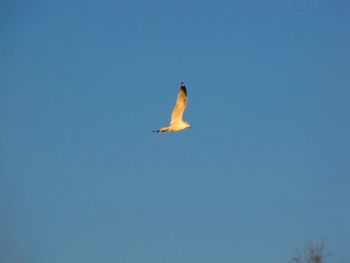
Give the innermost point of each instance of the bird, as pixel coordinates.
(176, 123)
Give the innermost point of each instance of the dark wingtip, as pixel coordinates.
(183, 87)
(156, 131)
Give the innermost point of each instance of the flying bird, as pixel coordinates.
(176, 123)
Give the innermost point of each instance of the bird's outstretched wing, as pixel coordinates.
(180, 106)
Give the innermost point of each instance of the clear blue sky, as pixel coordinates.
(264, 169)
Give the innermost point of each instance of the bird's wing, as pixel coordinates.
(180, 106)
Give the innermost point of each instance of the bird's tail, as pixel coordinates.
(156, 131)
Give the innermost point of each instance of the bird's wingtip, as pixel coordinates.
(183, 88)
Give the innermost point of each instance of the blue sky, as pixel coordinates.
(264, 170)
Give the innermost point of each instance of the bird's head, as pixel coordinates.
(187, 125)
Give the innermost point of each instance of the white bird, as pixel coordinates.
(176, 123)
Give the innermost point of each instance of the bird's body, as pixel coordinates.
(175, 127)
(176, 123)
